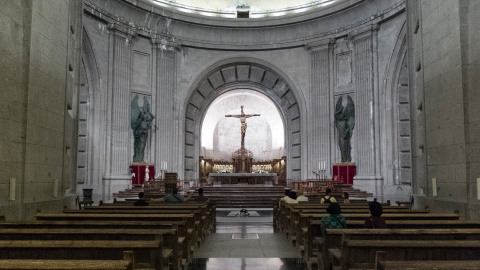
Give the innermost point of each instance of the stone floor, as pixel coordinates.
(246, 243)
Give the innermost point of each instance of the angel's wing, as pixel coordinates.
(135, 111)
(338, 108)
(350, 113)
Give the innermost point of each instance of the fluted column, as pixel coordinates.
(118, 112)
(319, 117)
(366, 132)
(167, 133)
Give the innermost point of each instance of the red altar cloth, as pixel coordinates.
(344, 172)
(139, 170)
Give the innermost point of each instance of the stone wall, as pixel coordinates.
(302, 67)
(447, 59)
(39, 73)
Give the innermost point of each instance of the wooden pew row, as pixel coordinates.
(308, 229)
(334, 237)
(145, 253)
(114, 219)
(203, 213)
(194, 229)
(171, 245)
(125, 264)
(298, 232)
(185, 249)
(208, 208)
(381, 263)
(296, 224)
(294, 218)
(355, 254)
(209, 213)
(283, 212)
(230, 201)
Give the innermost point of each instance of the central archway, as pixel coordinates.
(251, 74)
(221, 136)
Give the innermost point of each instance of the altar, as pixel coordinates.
(219, 179)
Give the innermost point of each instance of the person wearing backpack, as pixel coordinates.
(328, 198)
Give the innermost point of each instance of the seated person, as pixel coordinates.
(345, 197)
(375, 221)
(200, 197)
(287, 191)
(173, 197)
(292, 197)
(301, 197)
(333, 221)
(141, 200)
(328, 198)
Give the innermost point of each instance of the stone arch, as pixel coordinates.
(398, 152)
(88, 115)
(253, 74)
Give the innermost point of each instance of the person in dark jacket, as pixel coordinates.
(375, 221)
(141, 200)
(200, 197)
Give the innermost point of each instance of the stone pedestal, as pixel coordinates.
(139, 170)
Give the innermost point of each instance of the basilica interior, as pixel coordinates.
(103, 99)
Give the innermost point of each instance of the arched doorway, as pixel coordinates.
(249, 74)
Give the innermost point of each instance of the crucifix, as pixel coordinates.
(243, 127)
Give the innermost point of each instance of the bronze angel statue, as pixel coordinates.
(345, 122)
(140, 121)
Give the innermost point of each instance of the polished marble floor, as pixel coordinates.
(247, 264)
(262, 250)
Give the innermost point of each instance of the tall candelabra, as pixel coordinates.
(322, 171)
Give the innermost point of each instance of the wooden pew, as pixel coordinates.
(335, 239)
(311, 235)
(208, 211)
(169, 237)
(180, 226)
(283, 212)
(381, 263)
(145, 253)
(294, 218)
(296, 230)
(356, 254)
(192, 232)
(208, 208)
(125, 264)
(203, 218)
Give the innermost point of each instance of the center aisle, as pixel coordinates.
(246, 243)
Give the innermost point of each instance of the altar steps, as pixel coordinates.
(265, 197)
(129, 192)
(244, 196)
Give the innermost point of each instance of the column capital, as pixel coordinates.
(165, 43)
(123, 30)
(323, 44)
(363, 32)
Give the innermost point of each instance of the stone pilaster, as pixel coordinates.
(118, 113)
(167, 133)
(319, 139)
(366, 132)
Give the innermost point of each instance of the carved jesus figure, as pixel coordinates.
(243, 122)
